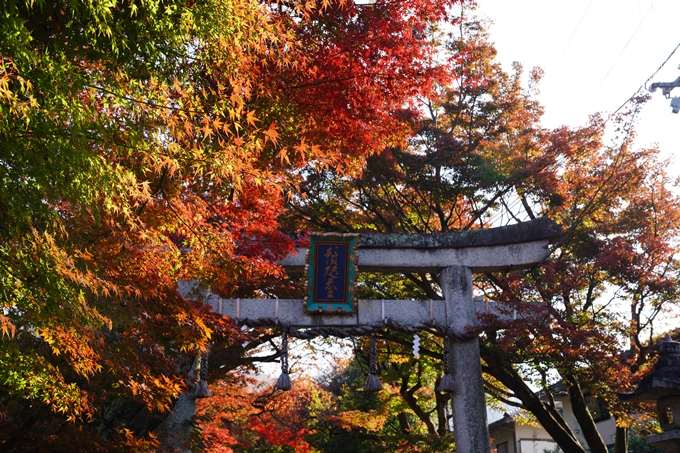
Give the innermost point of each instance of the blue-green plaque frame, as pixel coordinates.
(331, 273)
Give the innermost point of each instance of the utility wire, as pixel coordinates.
(643, 34)
(662, 65)
(617, 58)
(644, 85)
(656, 30)
(567, 46)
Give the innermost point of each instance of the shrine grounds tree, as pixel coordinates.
(246, 416)
(148, 142)
(618, 255)
(479, 158)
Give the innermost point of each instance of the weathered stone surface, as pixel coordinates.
(535, 230)
(177, 430)
(456, 256)
(668, 442)
(651, 389)
(468, 403)
(662, 386)
(488, 250)
(479, 259)
(407, 312)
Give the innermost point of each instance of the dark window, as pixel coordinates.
(502, 448)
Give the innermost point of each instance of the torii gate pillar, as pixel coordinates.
(468, 402)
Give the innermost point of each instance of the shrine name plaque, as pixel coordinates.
(331, 273)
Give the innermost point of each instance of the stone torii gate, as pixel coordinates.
(455, 257)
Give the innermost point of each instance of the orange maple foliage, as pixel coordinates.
(243, 416)
(149, 144)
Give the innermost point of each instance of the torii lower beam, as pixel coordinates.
(291, 312)
(455, 256)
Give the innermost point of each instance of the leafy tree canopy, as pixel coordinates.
(148, 142)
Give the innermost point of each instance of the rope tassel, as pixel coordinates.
(283, 382)
(202, 390)
(446, 384)
(372, 382)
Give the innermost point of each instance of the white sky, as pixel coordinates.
(580, 45)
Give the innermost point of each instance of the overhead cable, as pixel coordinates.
(567, 46)
(644, 85)
(621, 53)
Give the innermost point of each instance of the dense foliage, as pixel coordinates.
(149, 142)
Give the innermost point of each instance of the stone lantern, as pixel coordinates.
(662, 386)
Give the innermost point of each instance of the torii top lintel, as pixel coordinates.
(486, 250)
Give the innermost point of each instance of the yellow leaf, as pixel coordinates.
(251, 118)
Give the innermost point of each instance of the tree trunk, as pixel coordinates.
(547, 416)
(407, 395)
(585, 419)
(403, 423)
(621, 445)
(442, 400)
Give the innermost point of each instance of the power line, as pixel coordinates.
(643, 34)
(662, 65)
(567, 46)
(644, 85)
(656, 30)
(617, 58)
